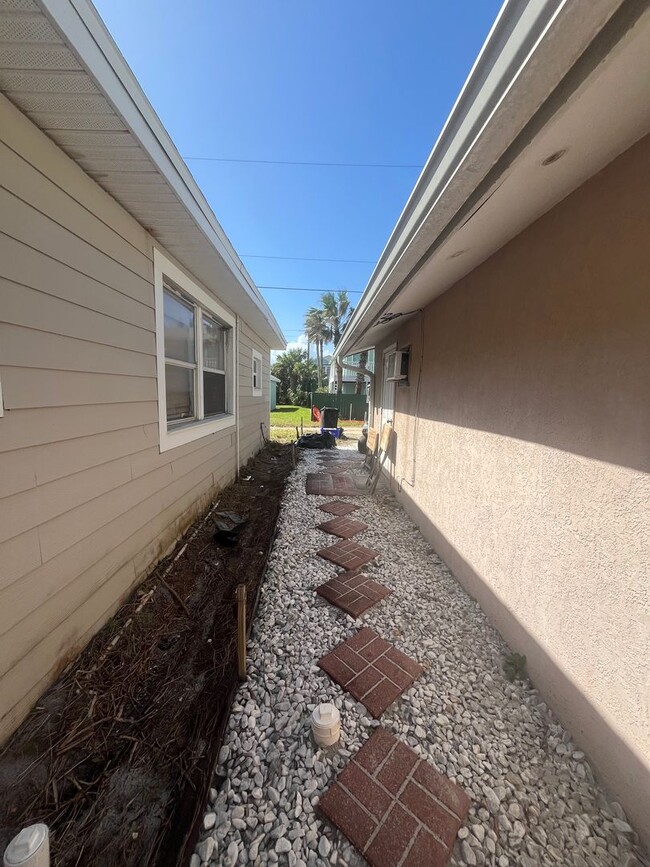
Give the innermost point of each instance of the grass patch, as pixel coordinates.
(285, 416)
(290, 415)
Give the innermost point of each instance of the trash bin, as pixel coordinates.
(329, 418)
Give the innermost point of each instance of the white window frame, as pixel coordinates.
(257, 389)
(178, 434)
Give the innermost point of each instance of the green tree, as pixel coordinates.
(336, 312)
(319, 333)
(296, 373)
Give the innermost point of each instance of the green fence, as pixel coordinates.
(350, 406)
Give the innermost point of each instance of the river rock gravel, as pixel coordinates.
(534, 797)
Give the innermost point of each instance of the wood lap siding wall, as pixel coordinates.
(252, 410)
(87, 501)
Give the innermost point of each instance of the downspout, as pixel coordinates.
(237, 420)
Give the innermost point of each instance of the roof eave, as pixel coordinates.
(529, 49)
(84, 32)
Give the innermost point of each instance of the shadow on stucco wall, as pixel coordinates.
(618, 766)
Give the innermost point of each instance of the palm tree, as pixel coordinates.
(317, 332)
(336, 311)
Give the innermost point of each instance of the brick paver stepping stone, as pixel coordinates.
(394, 807)
(338, 507)
(349, 555)
(328, 485)
(371, 669)
(343, 527)
(353, 593)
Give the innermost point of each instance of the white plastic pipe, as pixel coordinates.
(29, 848)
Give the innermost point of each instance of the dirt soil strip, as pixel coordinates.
(117, 757)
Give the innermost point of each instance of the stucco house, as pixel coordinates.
(509, 315)
(134, 347)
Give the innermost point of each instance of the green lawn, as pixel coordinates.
(286, 416)
(290, 415)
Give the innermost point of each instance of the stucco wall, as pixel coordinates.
(88, 503)
(525, 456)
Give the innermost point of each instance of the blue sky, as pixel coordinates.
(362, 81)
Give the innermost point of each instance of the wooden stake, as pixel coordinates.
(241, 631)
(293, 455)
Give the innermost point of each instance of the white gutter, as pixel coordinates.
(85, 34)
(531, 46)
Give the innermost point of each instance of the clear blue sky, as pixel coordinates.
(363, 81)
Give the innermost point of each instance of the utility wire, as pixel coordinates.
(306, 259)
(322, 291)
(307, 163)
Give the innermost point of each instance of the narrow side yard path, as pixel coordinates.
(533, 797)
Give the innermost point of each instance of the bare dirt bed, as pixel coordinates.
(117, 757)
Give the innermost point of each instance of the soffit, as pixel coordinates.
(43, 75)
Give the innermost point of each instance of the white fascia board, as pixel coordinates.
(86, 35)
(507, 71)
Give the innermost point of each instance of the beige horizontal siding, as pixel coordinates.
(41, 311)
(31, 427)
(23, 469)
(88, 504)
(25, 347)
(44, 274)
(253, 410)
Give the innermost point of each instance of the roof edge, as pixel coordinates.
(86, 35)
(530, 47)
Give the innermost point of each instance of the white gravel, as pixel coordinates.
(534, 798)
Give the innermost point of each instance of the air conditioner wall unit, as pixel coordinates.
(399, 367)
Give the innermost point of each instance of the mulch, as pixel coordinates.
(118, 755)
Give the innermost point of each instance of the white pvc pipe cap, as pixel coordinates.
(29, 848)
(326, 724)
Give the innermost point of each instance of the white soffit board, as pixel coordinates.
(60, 67)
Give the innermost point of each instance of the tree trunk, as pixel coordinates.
(339, 379)
(319, 363)
(363, 361)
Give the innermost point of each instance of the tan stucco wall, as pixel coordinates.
(526, 460)
(88, 503)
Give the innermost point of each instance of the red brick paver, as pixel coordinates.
(352, 592)
(371, 669)
(338, 508)
(394, 807)
(327, 485)
(343, 527)
(349, 555)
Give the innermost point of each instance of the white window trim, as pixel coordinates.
(257, 356)
(171, 438)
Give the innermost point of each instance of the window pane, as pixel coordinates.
(214, 393)
(179, 387)
(213, 344)
(179, 329)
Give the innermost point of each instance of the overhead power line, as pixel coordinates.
(306, 259)
(308, 163)
(302, 289)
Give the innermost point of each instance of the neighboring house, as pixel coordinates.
(349, 381)
(517, 281)
(273, 392)
(134, 347)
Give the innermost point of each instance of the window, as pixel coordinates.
(195, 352)
(256, 374)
